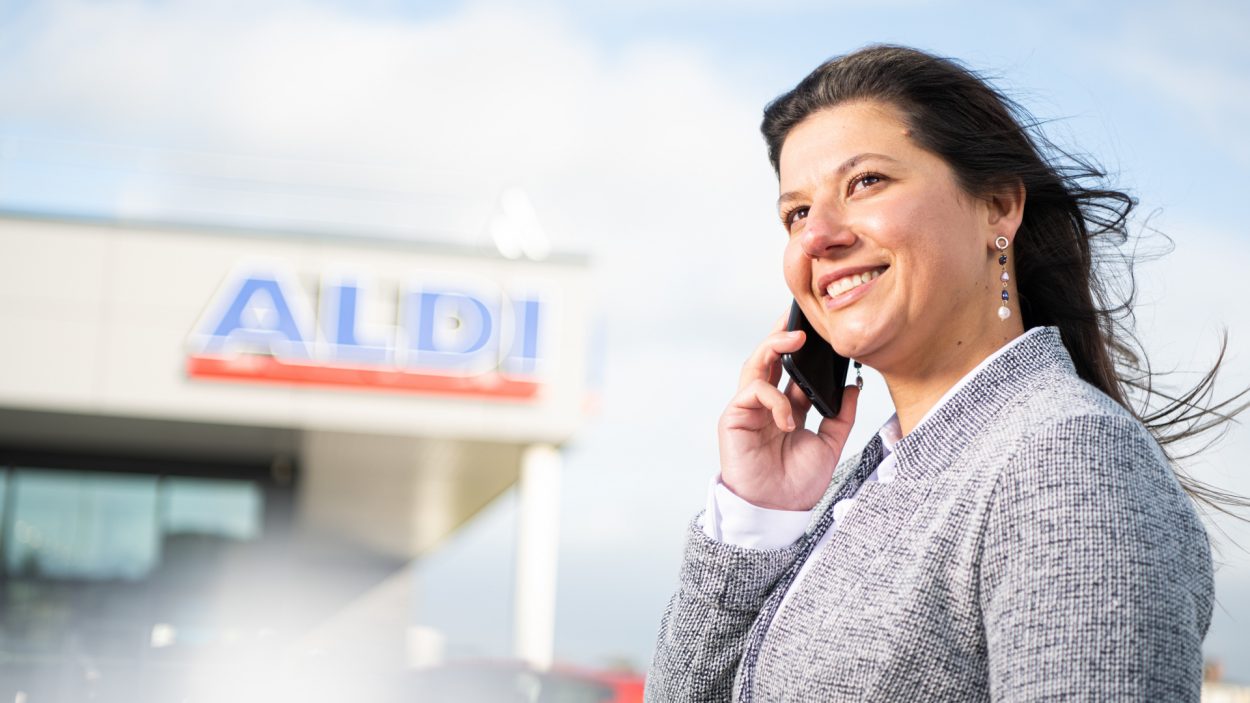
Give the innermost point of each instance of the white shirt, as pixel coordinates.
(735, 521)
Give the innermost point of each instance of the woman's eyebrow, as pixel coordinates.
(846, 166)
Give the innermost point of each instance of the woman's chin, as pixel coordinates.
(850, 350)
(852, 344)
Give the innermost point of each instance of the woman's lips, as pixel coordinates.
(847, 290)
(845, 283)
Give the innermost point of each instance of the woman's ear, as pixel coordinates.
(1006, 209)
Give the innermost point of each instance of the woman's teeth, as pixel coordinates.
(846, 283)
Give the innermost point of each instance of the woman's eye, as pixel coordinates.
(864, 179)
(795, 215)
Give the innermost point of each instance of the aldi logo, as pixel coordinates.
(435, 334)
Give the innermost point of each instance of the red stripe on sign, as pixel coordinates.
(267, 369)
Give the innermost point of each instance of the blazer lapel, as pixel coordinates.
(883, 510)
(841, 486)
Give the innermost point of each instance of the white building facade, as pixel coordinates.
(246, 388)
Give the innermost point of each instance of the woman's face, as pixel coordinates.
(862, 201)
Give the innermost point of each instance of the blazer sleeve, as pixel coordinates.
(704, 628)
(1095, 574)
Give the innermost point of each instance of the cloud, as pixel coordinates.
(1194, 59)
(646, 158)
(1218, 97)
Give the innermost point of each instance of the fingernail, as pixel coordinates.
(790, 424)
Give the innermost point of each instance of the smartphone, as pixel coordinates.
(816, 367)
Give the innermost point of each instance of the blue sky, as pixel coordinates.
(634, 129)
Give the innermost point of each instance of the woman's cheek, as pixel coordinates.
(796, 268)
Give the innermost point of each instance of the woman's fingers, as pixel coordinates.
(839, 427)
(757, 384)
(799, 401)
(758, 395)
(850, 402)
(764, 361)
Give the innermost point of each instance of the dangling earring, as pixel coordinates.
(1004, 312)
(859, 377)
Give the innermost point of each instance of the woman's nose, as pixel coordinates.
(823, 235)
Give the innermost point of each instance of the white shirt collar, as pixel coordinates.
(891, 432)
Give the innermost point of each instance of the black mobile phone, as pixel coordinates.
(816, 367)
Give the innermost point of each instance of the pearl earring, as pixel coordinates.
(859, 378)
(1004, 312)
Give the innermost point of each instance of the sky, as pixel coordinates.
(633, 128)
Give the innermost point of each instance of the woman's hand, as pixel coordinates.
(766, 456)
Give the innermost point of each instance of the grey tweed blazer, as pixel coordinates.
(1034, 545)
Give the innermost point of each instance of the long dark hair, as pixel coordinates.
(1072, 269)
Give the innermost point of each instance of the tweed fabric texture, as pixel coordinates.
(869, 459)
(1034, 545)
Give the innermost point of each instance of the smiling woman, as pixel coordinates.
(895, 211)
(1016, 530)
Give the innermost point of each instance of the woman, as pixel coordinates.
(1015, 531)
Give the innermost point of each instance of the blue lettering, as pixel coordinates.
(523, 357)
(442, 328)
(258, 317)
(449, 331)
(340, 306)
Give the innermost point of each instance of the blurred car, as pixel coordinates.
(508, 681)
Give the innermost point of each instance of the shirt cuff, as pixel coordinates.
(732, 520)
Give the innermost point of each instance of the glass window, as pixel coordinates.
(211, 507)
(82, 525)
(98, 526)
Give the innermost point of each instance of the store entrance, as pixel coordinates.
(129, 578)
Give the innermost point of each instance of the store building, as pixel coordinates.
(216, 436)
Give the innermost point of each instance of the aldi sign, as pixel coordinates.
(435, 334)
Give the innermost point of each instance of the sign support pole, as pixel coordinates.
(538, 540)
